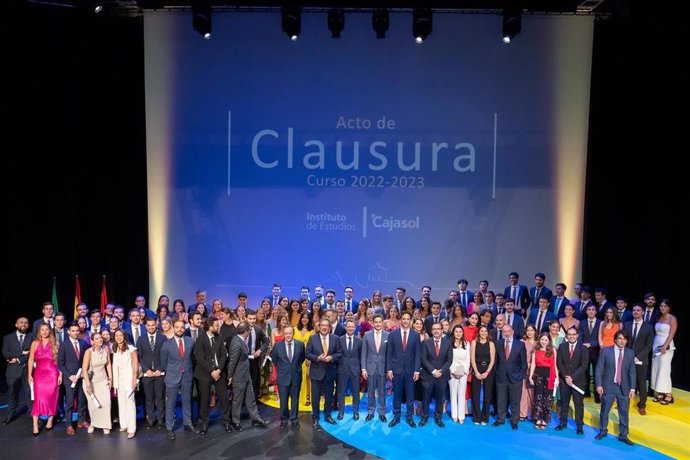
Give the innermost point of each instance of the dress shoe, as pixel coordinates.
(36, 433)
(295, 425)
(315, 425)
(497, 423)
(7, 420)
(642, 411)
(369, 417)
(227, 427)
(330, 420)
(259, 423)
(423, 421)
(283, 426)
(411, 422)
(355, 416)
(439, 422)
(150, 424)
(560, 427)
(189, 429)
(580, 431)
(237, 426)
(203, 430)
(394, 422)
(70, 430)
(340, 416)
(626, 441)
(601, 435)
(514, 426)
(171, 435)
(383, 418)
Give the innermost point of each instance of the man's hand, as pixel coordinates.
(364, 374)
(389, 375)
(415, 376)
(73, 378)
(600, 391)
(569, 380)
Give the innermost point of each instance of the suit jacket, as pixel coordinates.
(350, 360)
(654, 317)
(606, 370)
(575, 366)
(227, 332)
(150, 359)
(560, 311)
(523, 298)
(177, 369)
(407, 362)
(36, 325)
(518, 324)
(601, 309)
(188, 333)
(586, 337)
(320, 369)
(430, 361)
(372, 361)
(127, 328)
(548, 318)
(262, 340)
(429, 321)
(289, 372)
(643, 343)
(238, 361)
(12, 350)
(68, 363)
(580, 309)
(625, 317)
(534, 299)
(61, 338)
(514, 368)
(339, 329)
(354, 306)
(209, 358)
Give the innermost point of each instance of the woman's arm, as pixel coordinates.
(30, 365)
(492, 352)
(85, 371)
(135, 367)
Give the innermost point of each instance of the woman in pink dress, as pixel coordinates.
(45, 378)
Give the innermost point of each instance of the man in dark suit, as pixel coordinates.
(559, 300)
(70, 360)
(336, 327)
(464, 295)
(519, 293)
(133, 328)
(15, 350)
(602, 302)
(47, 317)
(227, 330)
(258, 346)
(542, 317)
(149, 351)
(511, 357)
(651, 310)
(200, 299)
(434, 318)
(403, 362)
(517, 322)
(241, 380)
(349, 369)
(589, 338)
(436, 357)
(571, 361)
(615, 380)
(210, 371)
(323, 350)
(539, 289)
(350, 303)
(373, 362)
(624, 314)
(177, 363)
(641, 336)
(288, 357)
(59, 328)
(582, 304)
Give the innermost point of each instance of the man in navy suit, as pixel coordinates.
(403, 362)
(571, 361)
(149, 351)
(436, 357)
(641, 336)
(59, 328)
(589, 337)
(336, 327)
(288, 356)
(517, 322)
(323, 350)
(582, 304)
(177, 363)
(603, 304)
(559, 300)
(542, 317)
(464, 296)
(133, 327)
(539, 289)
(348, 369)
(350, 303)
(511, 357)
(651, 310)
(434, 318)
(15, 350)
(615, 379)
(373, 365)
(519, 293)
(622, 311)
(47, 317)
(70, 360)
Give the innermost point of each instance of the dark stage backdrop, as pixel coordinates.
(75, 198)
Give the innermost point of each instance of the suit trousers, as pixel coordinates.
(508, 392)
(352, 380)
(403, 385)
(641, 384)
(589, 375)
(578, 402)
(70, 394)
(220, 386)
(16, 387)
(255, 374)
(437, 389)
(376, 384)
(243, 393)
(154, 394)
(289, 400)
(318, 388)
(184, 388)
(606, 405)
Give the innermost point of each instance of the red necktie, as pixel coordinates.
(76, 349)
(572, 350)
(507, 349)
(619, 367)
(180, 347)
(437, 349)
(404, 340)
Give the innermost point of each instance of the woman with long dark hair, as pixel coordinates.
(543, 376)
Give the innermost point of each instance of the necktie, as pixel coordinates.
(583, 306)
(213, 348)
(324, 344)
(464, 299)
(510, 319)
(619, 366)
(21, 341)
(558, 305)
(152, 341)
(572, 350)
(591, 326)
(404, 340)
(246, 343)
(377, 341)
(514, 295)
(348, 306)
(289, 351)
(180, 347)
(635, 332)
(349, 343)
(647, 314)
(536, 296)
(437, 348)
(76, 348)
(500, 310)
(135, 333)
(250, 343)
(435, 319)
(507, 349)
(195, 334)
(539, 320)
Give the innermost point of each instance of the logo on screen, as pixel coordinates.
(387, 223)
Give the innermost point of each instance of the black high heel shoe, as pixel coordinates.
(36, 433)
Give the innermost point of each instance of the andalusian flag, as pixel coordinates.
(55, 303)
(104, 298)
(77, 297)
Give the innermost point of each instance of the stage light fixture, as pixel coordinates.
(512, 23)
(336, 22)
(201, 19)
(291, 21)
(380, 21)
(97, 7)
(421, 24)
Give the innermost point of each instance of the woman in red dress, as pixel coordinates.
(542, 375)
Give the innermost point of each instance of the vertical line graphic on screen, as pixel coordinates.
(229, 145)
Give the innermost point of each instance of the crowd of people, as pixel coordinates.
(517, 354)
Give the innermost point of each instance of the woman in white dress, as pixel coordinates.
(125, 370)
(459, 369)
(662, 354)
(97, 373)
